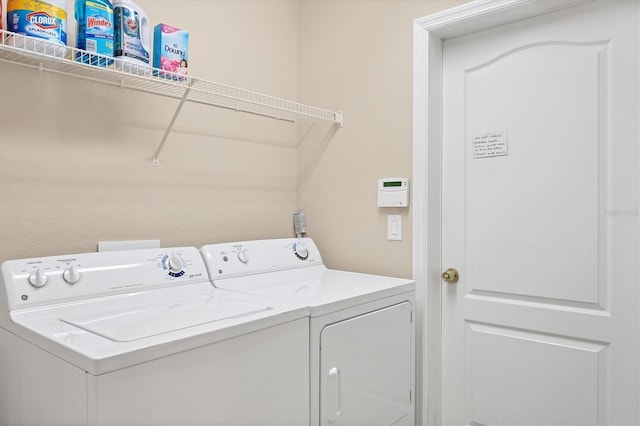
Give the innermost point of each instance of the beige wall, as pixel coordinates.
(356, 55)
(75, 157)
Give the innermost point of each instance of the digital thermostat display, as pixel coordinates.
(393, 192)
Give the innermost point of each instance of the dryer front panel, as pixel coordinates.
(365, 368)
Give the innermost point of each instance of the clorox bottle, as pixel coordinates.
(132, 34)
(44, 19)
(95, 30)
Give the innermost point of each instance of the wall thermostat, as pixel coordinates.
(393, 192)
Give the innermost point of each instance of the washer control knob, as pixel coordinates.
(38, 278)
(175, 264)
(301, 252)
(243, 256)
(71, 275)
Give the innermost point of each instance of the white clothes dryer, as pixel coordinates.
(362, 344)
(141, 337)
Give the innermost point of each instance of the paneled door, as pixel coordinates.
(540, 192)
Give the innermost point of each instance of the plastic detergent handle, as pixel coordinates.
(145, 31)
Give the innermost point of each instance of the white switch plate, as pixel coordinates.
(394, 227)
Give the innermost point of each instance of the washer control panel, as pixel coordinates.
(57, 279)
(227, 260)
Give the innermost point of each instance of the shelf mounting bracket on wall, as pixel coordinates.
(156, 160)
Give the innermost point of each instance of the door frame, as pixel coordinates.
(429, 33)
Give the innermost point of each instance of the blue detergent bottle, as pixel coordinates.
(95, 31)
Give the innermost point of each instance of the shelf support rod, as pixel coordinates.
(156, 161)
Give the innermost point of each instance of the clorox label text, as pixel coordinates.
(43, 20)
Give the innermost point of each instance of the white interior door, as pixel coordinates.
(540, 192)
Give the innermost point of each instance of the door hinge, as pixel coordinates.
(410, 396)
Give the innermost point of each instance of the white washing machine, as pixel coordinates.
(141, 337)
(362, 361)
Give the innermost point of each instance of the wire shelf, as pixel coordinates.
(53, 57)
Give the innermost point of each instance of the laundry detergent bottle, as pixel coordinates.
(132, 34)
(94, 20)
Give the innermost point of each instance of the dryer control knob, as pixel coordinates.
(175, 264)
(38, 278)
(71, 275)
(301, 252)
(243, 256)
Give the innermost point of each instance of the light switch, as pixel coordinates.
(394, 227)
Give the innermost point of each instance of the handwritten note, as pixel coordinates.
(490, 145)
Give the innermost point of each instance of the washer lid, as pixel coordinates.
(110, 333)
(146, 320)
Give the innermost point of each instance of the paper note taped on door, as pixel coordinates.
(490, 145)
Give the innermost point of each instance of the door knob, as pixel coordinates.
(450, 275)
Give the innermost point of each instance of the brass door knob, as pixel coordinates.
(450, 275)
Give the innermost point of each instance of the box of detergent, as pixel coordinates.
(170, 51)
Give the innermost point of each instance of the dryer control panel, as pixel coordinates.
(242, 258)
(57, 279)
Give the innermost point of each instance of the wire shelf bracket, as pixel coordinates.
(156, 160)
(49, 56)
